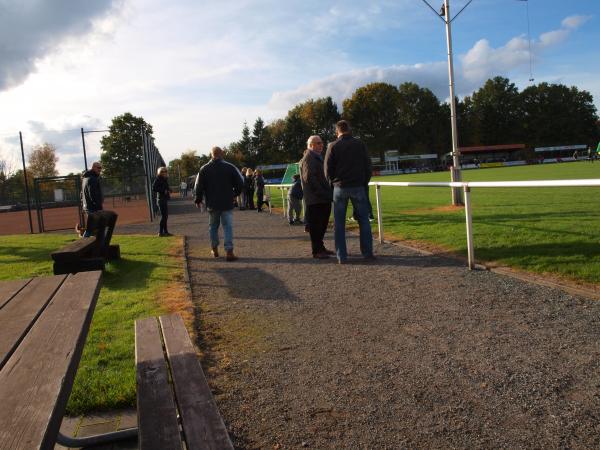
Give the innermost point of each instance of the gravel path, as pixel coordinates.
(409, 351)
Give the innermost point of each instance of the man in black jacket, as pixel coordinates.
(220, 182)
(348, 169)
(317, 196)
(91, 196)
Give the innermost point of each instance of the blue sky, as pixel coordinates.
(197, 70)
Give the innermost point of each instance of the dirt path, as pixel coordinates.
(409, 351)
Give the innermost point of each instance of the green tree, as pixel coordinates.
(186, 165)
(373, 112)
(497, 113)
(122, 148)
(555, 114)
(276, 145)
(422, 126)
(295, 134)
(258, 144)
(319, 117)
(42, 161)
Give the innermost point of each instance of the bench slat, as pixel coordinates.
(74, 250)
(8, 289)
(157, 415)
(18, 316)
(203, 426)
(36, 381)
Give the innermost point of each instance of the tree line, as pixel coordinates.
(411, 119)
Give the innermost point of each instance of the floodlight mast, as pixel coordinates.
(455, 170)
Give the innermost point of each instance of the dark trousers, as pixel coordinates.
(260, 196)
(249, 199)
(317, 220)
(164, 215)
(355, 216)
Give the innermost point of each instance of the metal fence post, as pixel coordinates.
(468, 218)
(379, 214)
(26, 183)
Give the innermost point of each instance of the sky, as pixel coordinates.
(197, 70)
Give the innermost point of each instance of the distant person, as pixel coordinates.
(317, 196)
(220, 182)
(575, 155)
(183, 189)
(249, 188)
(243, 195)
(590, 154)
(91, 195)
(259, 182)
(161, 189)
(348, 168)
(295, 195)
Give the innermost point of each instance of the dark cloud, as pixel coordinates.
(30, 29)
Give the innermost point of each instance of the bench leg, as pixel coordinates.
(99, 439)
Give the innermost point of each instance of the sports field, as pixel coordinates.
(538, 229)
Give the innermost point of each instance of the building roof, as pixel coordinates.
(492, 148)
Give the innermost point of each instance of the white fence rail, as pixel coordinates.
(466, 187)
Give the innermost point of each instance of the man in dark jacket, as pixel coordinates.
(92, 192)
(317, 195)
(348, 168)
(220, 182)
(91, 196)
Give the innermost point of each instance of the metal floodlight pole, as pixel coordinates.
(444, 15)
(26, 183)
(84, 154)
(83, 133)
(146, 176)
(455, 173)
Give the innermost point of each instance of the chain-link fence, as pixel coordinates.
(57, 202)
(54, 202)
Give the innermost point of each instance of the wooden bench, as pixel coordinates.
(43, 326)
(159, 402)
(89, 253)
(77, 257)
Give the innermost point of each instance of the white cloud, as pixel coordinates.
(573, 22)
(32, 29)
(478, 64)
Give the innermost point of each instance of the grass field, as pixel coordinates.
(543, 230)
(131, 288)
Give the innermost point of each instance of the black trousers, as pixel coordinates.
(260, 199)
(164, 215)
(317, 219)
(249, 199)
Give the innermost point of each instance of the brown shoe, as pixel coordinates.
(215, 252)
(230, 256)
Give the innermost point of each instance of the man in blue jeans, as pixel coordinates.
(220, 182)
(348, 168)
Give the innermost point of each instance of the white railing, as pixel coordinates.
(466, 186)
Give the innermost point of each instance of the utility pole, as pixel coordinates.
(455, 175)
(455, 171)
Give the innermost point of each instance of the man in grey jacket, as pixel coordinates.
(317, 195)
(220, 182)
(348, 168)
